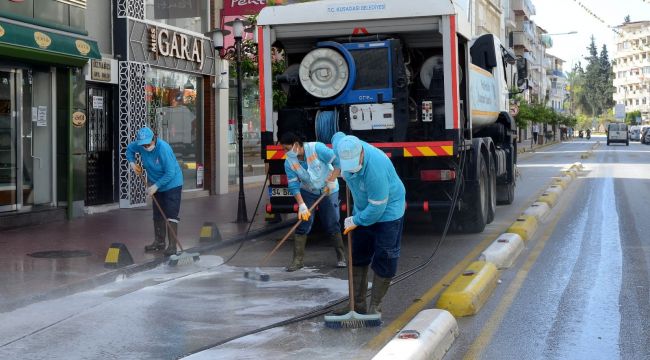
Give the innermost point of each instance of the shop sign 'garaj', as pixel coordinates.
(165, 42)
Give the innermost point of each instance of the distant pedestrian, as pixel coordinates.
(310, 174)
(378, 217)
(535, 133)
(165, 180)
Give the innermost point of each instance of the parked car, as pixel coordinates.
(617, 133)
(645, 135)
(635, 133)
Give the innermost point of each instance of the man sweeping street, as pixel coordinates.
(377, 220)
(165, 180)
(310, 175)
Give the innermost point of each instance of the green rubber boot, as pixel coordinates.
(360, 289)
(160, 231)
(171, 247)
(380, 286)
(337, 241)
(299, 242)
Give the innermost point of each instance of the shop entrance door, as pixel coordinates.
(26, 145)
(100, 146)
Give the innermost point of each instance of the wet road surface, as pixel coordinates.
(581, 289)
(166, 313)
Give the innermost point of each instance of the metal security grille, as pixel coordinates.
(133, 116)
(99, 176)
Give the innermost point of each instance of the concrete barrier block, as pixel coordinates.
(503, 251)
(557, 189)
(573, 173)
(549, 197)
(470, 291)
(562, 181)
(538, 210)
(525, 226)
(428, 336)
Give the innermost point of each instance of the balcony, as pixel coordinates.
(522, 40)
(523, 7)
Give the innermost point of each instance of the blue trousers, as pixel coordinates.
(378, 245)
(328, 213)
(170, 202)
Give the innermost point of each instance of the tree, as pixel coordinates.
(592, 80)
(598, 81)
(606, 87)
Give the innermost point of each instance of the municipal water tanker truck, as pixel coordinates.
(406, 77)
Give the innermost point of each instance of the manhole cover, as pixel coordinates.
(60, 254)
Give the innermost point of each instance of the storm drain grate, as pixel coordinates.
(60, 254)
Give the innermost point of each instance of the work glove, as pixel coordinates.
(152, 189)
(349, 225)
(331, 186)
(303, 212)
(137, 168)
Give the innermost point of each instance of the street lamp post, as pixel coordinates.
(239, 26)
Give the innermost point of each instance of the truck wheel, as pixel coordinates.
(492, 196)
(474, 217)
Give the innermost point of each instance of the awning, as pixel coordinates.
(23, 42)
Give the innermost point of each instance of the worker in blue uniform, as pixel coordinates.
(309, 175)
(165, 180)
(377, 219)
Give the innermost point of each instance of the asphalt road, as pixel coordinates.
(581, 289)
(583, 276)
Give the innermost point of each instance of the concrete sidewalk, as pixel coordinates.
(25, 279)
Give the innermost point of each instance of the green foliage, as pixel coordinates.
(598, 81)
(630, 118)
(250, 65)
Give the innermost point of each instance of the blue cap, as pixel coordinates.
(348, 149)
(145, 136)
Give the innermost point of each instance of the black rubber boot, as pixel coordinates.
(380, 286)
(171, 247)
(360, 289)
(160, 231)
(299, 242)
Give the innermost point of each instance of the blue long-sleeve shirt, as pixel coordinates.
(161, 165)
(325, 155)
(378, 192)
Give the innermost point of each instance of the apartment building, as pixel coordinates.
(557, 83)
(632, 68)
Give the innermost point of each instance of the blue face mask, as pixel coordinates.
(292, 153)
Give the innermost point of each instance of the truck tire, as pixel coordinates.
(473, 218)
(492, 188)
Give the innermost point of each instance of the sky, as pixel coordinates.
(560, 16)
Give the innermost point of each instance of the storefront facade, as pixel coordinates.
(166, 83)
(43, 49)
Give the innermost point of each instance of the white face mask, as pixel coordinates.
(356, 169)
(150, 148)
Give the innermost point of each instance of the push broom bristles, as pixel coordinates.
(184, 258)
(352, 320)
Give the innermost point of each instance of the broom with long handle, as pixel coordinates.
(351, 320)
(259, 275)
(184, 257)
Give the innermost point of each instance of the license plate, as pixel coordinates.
(279, 192)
